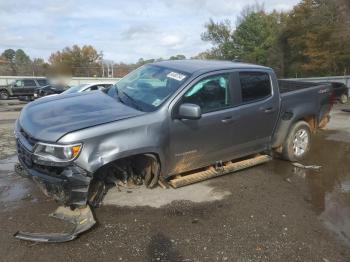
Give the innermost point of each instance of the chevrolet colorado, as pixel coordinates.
(165, 119)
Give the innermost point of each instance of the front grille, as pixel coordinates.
(31, 140)
(49, 170)
(24, 155)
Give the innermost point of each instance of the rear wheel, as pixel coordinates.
(298, 142)
(344, 98)
(4, 95)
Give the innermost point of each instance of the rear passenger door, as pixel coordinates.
(257, 110)
(29, 86)
(18, 88)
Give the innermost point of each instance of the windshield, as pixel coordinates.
(74, 89)
(147, 87)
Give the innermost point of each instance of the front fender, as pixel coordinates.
(106, 143)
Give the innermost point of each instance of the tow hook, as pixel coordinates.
(82, 218)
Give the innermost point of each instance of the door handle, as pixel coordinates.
(268, 110)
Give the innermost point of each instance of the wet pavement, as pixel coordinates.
(273, 212)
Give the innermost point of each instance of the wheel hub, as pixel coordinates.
(300, 142)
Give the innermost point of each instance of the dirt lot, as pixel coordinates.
(274, 212)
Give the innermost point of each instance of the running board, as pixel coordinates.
(212, 172)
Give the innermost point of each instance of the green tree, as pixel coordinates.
(23, 63)
(21, 57)
(255, 36)
(254, 40)
(9, 55)
(220, 34)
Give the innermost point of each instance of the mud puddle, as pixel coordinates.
(158, 197)
(327, 190)
(13, 188)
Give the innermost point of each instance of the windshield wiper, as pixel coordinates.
(117, 91)
(132, 100)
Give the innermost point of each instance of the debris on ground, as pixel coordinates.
(313, 167)
(82, 218)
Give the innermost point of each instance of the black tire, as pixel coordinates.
(298, 142)
(344, 98)
(4, 95)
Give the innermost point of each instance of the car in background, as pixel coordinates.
(49, 90)
(88, 87)
(341, 92)
(23, 87)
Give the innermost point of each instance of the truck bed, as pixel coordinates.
(301, 100)
(286, 86)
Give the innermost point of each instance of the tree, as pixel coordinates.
(221, 36)
(316, 39)
(255, 36)
(255, 39)
(23, 63)
(310, 40)
(76, 61)
(9, 55)
(177, 57)
(40, 67)
(21, 57)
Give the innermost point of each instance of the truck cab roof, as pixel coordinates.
(192, 66)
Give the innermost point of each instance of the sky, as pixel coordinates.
(123, 30)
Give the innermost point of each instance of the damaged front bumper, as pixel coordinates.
(68, 184)
(82, 219)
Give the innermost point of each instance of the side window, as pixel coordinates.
(211, 93)
(19, 83)
(255, 86)
(29, 82)
(42, 82)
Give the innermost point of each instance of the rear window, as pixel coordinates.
(42, 82)
(29, 82)
(255, 86)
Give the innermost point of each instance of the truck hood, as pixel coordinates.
(49, 118)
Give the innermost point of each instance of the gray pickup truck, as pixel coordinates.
(162, 120)
(22, 87)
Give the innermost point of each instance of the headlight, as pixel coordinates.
(57, 153)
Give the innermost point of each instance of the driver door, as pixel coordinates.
(199, 143)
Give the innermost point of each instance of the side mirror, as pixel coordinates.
(189, 111)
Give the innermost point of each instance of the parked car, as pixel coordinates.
(49, 90)
(22, 87)
(164, 120)
(341, 92)
(87, 87)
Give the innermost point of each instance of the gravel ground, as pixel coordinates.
(273, 212)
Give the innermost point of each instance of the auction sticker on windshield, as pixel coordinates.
(176, 76)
